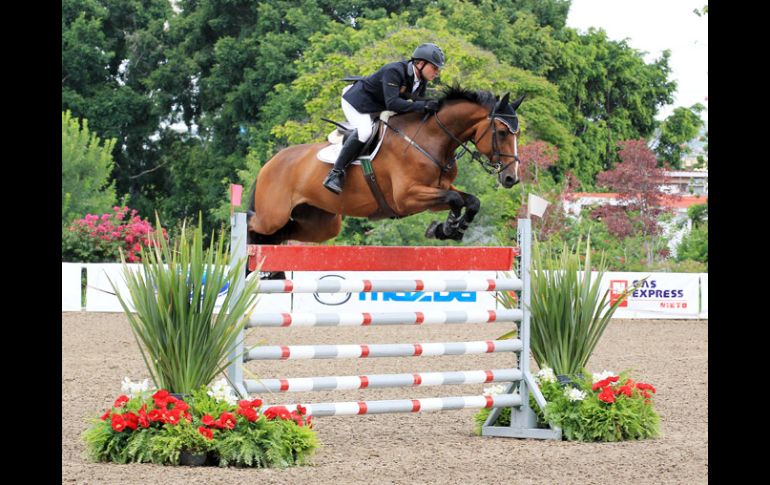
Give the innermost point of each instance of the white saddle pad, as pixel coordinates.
(329, 154)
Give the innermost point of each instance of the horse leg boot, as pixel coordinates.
(336, 178)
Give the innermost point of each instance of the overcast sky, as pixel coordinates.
(652, 26)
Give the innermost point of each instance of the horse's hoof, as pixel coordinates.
(430, 232)
(272, 275)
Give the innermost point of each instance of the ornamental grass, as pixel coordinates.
(171, 307)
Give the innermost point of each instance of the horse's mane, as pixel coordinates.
(483, 98)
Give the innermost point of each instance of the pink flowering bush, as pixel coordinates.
(98, 239)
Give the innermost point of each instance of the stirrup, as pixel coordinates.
(335, 181)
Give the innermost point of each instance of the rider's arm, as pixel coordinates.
(391, 82)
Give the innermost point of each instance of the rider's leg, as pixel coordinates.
(363, 125)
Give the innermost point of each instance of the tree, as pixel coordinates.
(109, 48)
(611, 94)
(681, 127)
(536, 156)
(85, 171)
(641, 204)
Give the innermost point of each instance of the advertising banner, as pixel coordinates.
(70, 287)
(704, 295)
(662, 295)
(398, 301)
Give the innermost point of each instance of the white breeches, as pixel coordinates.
(360, 121)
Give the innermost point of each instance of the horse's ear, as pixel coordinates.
(502, 102)
(517, 102)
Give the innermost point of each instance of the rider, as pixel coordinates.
(395, 87)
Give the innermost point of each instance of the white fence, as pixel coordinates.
(663, 295)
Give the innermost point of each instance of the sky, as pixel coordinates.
(652, 26)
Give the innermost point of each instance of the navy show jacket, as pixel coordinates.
(390, 89)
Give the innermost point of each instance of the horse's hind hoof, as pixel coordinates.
(272, 275)
(430, 232)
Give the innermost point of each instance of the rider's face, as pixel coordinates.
(430, 71)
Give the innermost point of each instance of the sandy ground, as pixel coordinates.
(98, 350)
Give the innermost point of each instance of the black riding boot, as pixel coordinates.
(336, 178)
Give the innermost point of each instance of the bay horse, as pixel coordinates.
(414, 169)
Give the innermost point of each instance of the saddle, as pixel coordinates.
(337, 138)
(339, 135)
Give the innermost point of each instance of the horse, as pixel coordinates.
(414, 169)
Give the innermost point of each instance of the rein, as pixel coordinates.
(496, 167)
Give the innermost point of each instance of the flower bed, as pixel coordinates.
(593, 407)
(158, 428)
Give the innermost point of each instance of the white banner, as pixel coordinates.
(662, 295)
(409, 301)
(100, 296)
(70, 287)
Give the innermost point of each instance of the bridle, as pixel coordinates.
(490, 167)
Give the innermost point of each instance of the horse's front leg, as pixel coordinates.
(457, 221)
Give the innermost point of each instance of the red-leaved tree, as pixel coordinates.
(637, 180)
(536, 156)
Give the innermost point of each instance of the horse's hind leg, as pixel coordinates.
(311, 224)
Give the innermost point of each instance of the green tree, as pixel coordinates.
(109, 47)
(611, 94)
(676, 131)
(85, 171)
(695, 244)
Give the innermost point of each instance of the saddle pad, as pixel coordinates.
(329, 154)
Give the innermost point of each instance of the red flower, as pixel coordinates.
(284, 413)
(600, 384)
(161, 398)
(226, 420)
(244, 403)
(297, 418)
(256, 402)
(606, 395)
(181, 405)
(118, 423)
(106, 415)
(248, 413)
(208, 420)
(270, 413)
(624, 390)
(207, 433)
(155, 415)
(120, 401)
(131, 420)
(143, 421)
(645, 387)
(302, 410)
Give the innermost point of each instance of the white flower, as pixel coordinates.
(134, 389)
(494, 390)
(602, 375)
(221, 391)
(574, 394)
(545, 375)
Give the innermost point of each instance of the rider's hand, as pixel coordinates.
(431, 106)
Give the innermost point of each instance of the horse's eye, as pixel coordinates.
(502, 133)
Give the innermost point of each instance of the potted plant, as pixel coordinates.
(183, 341)
(568, 312)
(214, 428)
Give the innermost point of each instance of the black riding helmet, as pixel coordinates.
(431, 53)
